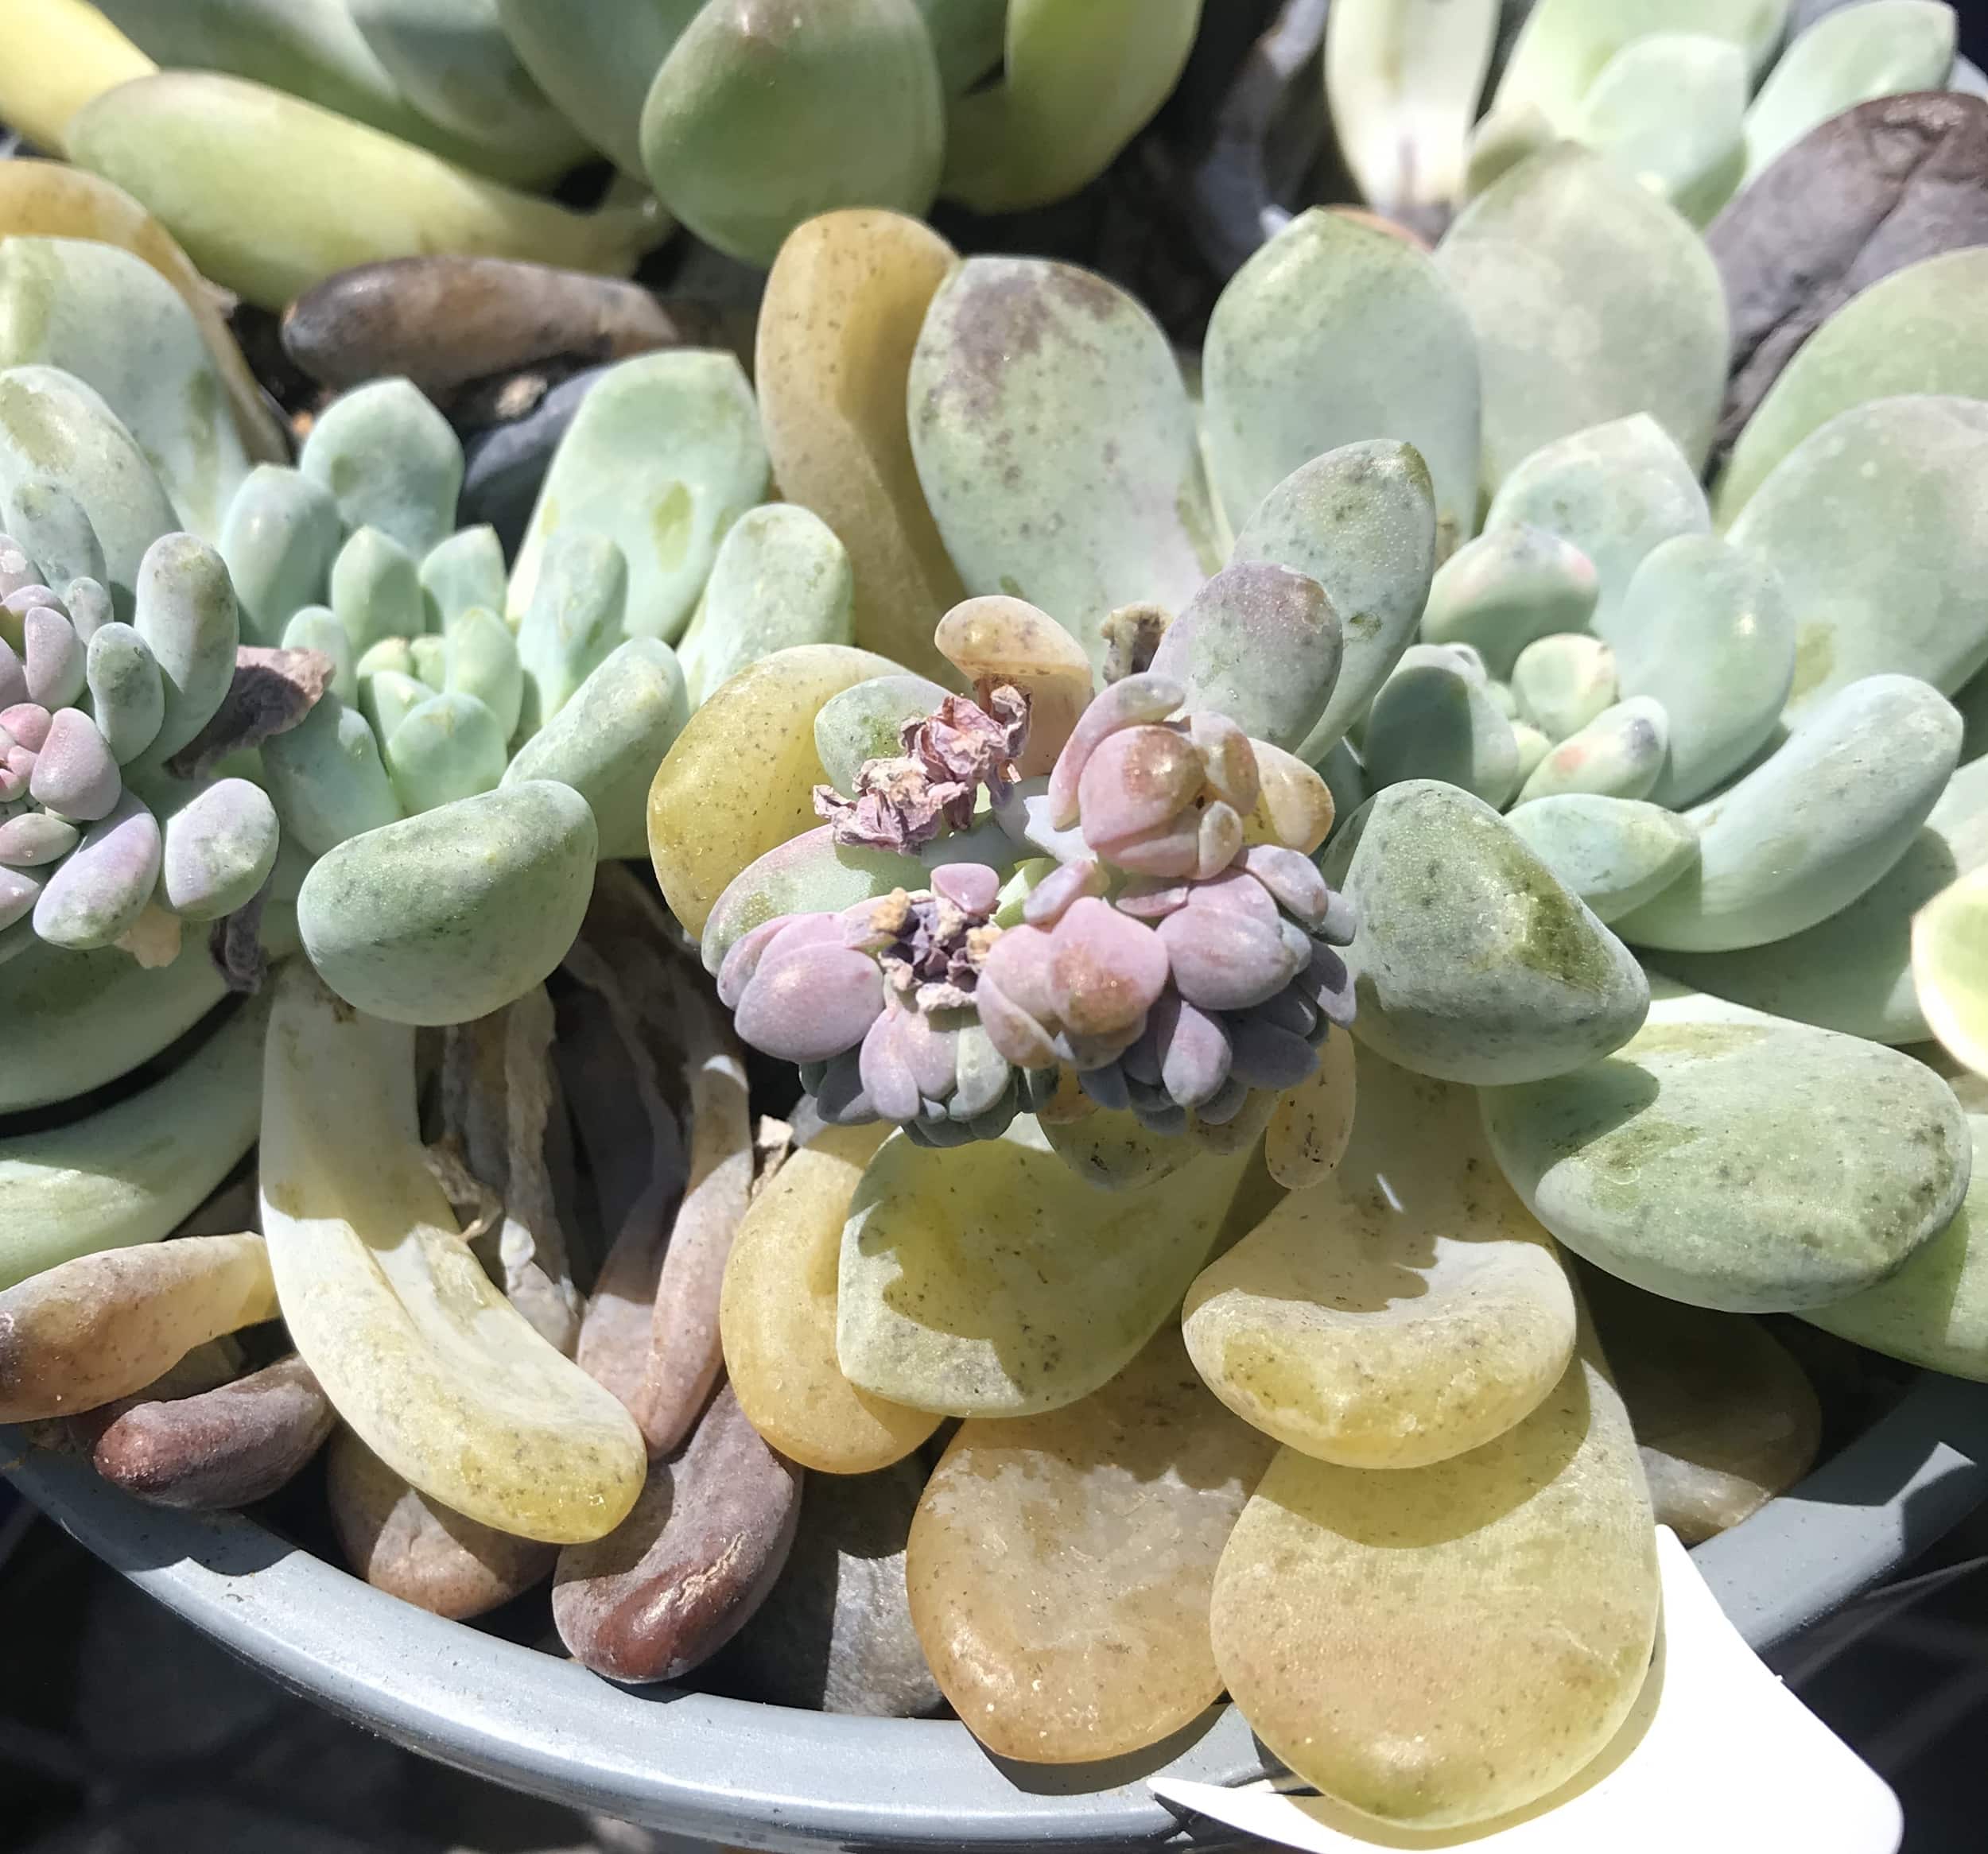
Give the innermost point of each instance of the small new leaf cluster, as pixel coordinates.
(1130, 933)
(94, 822)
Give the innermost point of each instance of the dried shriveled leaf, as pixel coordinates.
(499, 1103)
(666, 1007)
(228, 1446)
(1872, 191)
(272, 692)
(412, 1547)
(446, 320)
(689, 1566)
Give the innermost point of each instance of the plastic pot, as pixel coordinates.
(729, 1770)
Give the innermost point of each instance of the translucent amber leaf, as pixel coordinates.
(985, 1280)
(1084, 1634)
(843, 304)
(1439, 1645)
(1403, 1311)
(737, 784)
(778, 1317)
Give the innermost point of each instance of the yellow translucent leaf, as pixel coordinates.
(843, 304)
(777, 1316)
(61, 53)
(1439, 1645)
(988, 1280)
(1060, 1565)
(1295, 806)
(1407, 1310)
(736, 783)
(435, 1371)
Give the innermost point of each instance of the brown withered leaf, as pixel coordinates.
(1879, 187)
(235, 944)
(272, 690)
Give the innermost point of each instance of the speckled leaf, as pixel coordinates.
(1923, 329)
(112, 321)
(1592, 300)
(843, 304)
(1362, 521)
(1809, 830)
(1934, 1311)
(1724, 1418)
(1737, 1160)
(1334, 333)
(982, 1280)
(1473, 961)
(1038, 389)
(1616, 492)
(1852, 972)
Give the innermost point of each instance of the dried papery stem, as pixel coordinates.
(227, 1446)
(634, 1150)
(499, 1094)
(665, 1009)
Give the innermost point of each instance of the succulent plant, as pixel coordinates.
(88, 707)
(440, 117)
(1693, 100)
(1044, 778)
(1113, 918)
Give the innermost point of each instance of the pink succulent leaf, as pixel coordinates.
(972, 887)
(1124, 704)
(1014, 1032)
(1107, 971)
(1292, 879)
(1069, 882)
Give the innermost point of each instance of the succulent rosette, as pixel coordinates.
(1124, 929)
